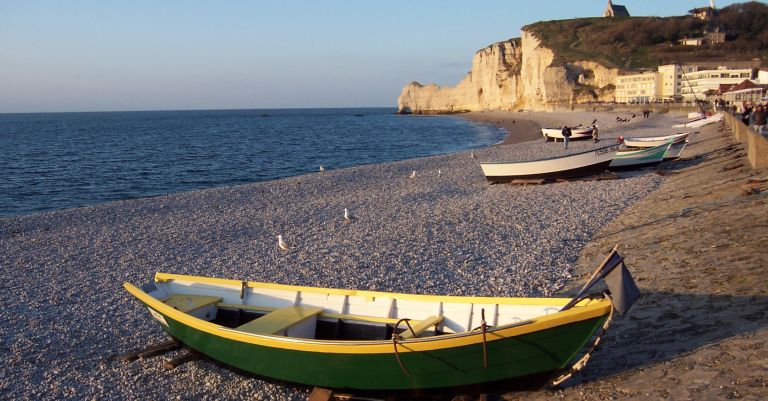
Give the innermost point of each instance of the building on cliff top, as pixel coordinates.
(615, 10)
(704, 13)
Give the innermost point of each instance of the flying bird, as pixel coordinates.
(413, 174)
(284, 246)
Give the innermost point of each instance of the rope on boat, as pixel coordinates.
(579, 365)
(396, 338)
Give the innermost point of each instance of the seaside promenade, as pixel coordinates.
(692, 240)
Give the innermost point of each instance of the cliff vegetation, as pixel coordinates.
(645, 42)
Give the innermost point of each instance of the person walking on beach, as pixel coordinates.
(594, 133)
(566, 135)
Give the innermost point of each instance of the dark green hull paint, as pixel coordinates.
(527, 355)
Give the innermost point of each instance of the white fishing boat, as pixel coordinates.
(578, 132)
(653, 141)
(576, 165)
(700, 122)
(639, 158)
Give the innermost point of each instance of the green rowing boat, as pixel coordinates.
(376, 341)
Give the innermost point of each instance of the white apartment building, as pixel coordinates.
(669, 82)
(695, 83)
(636, 88)
(674, 82)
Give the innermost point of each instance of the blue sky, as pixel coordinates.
(161, 55)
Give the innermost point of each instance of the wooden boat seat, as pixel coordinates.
(280, 319)
(421, 326)
(189, 303)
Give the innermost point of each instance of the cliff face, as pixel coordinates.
(493, 83)
(515, 74)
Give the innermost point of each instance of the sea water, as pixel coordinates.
(52, 161)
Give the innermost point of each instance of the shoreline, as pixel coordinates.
(444, 233)
(519, 130)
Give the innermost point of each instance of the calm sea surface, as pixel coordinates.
(61, 160)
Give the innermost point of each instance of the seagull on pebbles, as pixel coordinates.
(284, 246)
(347, 215)
(439, 172)
(472, 155)
(413, 174)
(322, 168)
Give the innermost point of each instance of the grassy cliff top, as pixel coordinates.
(645, 42)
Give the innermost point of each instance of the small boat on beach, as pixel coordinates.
(700, 122)
(578, 132)
(627, 159)
(576, 165)
(384, 342)
(653, 141)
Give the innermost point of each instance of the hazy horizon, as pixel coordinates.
(180, 56)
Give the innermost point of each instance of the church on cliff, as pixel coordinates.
(615, 10)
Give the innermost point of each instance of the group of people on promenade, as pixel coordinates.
(755, 116)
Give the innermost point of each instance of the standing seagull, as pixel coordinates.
(322, 168)
(413, 174)
(472, 155)
(439, 172)
(282, 243)
(347, 215)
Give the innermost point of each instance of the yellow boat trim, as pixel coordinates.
(167, 277)
(590, 309)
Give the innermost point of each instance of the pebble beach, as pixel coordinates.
(446, 231)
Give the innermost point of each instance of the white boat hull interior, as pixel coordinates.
(459, 314)
(651, 142)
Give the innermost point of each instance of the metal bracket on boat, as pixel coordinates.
(396, 338)
(582, 362)
(484, 327)
(243, 286)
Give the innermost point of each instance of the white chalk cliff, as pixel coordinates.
(511, 75)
